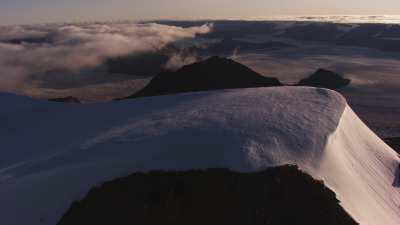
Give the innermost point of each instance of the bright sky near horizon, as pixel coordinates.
(38, 11)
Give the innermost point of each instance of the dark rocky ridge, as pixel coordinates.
(214, 73)
(325, 79)
(276, 196)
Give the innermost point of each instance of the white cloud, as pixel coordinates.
(73, 47)
(179, 59)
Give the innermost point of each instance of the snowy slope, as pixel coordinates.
(52, 153)
(363, 171)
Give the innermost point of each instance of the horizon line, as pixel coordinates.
(323, 18)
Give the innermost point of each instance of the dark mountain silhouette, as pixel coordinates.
(212, 74)
(325, 79)
(68, 99)
(276, 196)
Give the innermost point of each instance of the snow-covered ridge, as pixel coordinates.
(363, 171)
(52, 153)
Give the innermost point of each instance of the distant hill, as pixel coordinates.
(276, 196)
(211, 74)
(325, 79)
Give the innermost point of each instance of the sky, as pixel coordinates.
(41, 11)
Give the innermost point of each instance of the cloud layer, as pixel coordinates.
(26, 50)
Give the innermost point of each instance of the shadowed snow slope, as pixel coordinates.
(52, 153)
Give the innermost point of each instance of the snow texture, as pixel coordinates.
(53, 153)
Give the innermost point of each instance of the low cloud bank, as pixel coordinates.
(26, 50)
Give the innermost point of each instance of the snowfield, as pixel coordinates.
(52, 153)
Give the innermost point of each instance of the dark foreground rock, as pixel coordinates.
(212, 74)
(68, 99)
(325, 79)
(276, 196)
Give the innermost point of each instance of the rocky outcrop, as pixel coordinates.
(212, 74)
(276, 196)
(325, 79)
